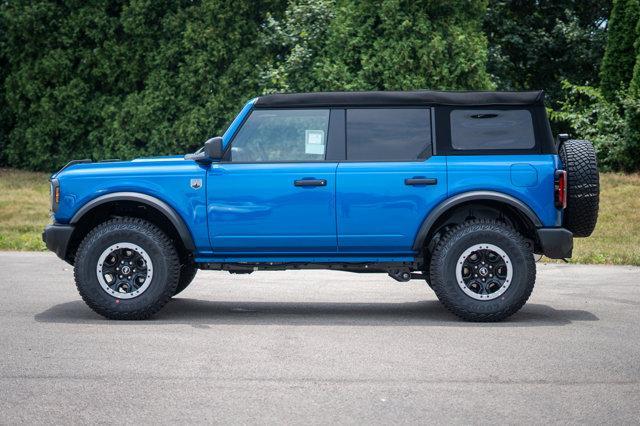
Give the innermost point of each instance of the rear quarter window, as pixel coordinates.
(491, 129)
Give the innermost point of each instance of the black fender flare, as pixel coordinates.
(465, 197)
(148, 200)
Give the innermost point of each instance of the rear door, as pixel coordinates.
(390, 180)
(274, 192)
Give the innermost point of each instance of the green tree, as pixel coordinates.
(5, 115)
(536, 44)
(632, 110)
(620, 55)
(46, 87)
(124, 78)
(294, 43)
(634, 86)
(203, 64)
(378, 45)
(612, 126)
(147, 77)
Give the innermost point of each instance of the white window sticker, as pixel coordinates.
(314, 142)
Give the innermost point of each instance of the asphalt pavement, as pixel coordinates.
(310, 347)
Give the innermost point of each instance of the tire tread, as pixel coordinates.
(438, 280)
(583, 186)
(130, 224)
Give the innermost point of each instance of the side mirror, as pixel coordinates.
(211, 151)
(213, 148)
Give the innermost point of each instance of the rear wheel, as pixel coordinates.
(126, 268)
(482, 270)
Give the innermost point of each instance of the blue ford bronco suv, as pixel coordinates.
(460, 189)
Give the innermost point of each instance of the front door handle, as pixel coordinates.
(310, 182)
(420, 181)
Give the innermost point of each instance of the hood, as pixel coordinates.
(88, 164)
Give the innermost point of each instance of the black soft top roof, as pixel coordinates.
(422, 97)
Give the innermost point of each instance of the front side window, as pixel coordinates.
(388, 134)
(491, 129)
(282, 135)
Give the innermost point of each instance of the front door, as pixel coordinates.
(274, 192)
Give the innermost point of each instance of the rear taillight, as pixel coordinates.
(560, 186)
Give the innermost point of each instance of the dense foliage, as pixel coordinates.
(634, 86)
(351, 45)
(609, 114)
(619, 58)
(122, 78)
(539, 43)
(613, 126)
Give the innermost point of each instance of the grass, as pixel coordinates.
(616, 239)
(24, 211)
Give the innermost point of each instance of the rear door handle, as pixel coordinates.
(310, 182)
(420, 181)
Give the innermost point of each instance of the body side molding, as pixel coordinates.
(464, 197)
(154, 202)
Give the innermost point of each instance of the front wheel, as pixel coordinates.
(126, 268)
(482, 270)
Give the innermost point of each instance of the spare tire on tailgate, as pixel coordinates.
(583, 186)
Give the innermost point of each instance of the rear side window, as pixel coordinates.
(388, 134)
(491, 129)
(281, 136)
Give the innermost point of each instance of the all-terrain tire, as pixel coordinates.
(583, 186)
(188, 272)
(156, 244)
(446, 258)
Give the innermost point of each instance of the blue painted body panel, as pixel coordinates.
(255, 208)
(377, 212)
(365, 213)
(494, 173)
(167, 179)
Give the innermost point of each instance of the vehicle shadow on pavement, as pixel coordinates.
(201, 313)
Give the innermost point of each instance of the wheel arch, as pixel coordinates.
(514, 207)
(134, 204)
